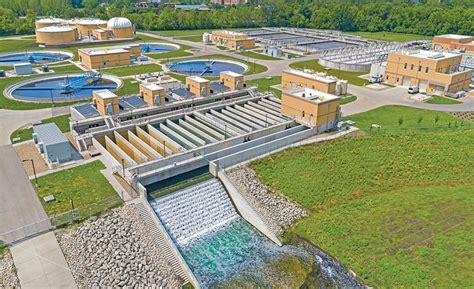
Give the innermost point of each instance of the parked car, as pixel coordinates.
(376, 78)
(413, 89)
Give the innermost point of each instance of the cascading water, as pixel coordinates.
(219, 245)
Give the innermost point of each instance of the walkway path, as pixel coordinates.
(368, 99)
(40, 263)
(21, 213)
(11, 120)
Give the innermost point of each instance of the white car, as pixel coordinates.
(413, 89)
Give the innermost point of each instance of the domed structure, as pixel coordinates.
(121, 27)
(119, 22)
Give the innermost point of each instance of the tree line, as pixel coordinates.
(426, 17)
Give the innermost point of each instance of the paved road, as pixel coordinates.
(19, 205)
(10, 120)
(368, 99)
(40, 263)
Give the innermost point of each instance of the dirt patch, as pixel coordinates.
(28, 151)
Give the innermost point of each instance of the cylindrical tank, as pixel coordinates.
(46, 22)
(85, 27)
(343, 87)
(206, 37)
(55, 35)
(121, 27)
(338, 88)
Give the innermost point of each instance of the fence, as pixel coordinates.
(59, 220)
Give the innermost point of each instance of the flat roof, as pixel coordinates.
(197, 79)
(55, 29)
(314, 76)
(49, 133)
(229, 32)
(103, 51)
(90, 21)
(50, 20)
(105, 93)
(151, 86)
(311, 94)
(427, 54)
(231, 73)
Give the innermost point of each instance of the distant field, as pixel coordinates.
(352, 77)
(395, 206)
(391, 36)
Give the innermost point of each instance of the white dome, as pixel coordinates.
(119, 22)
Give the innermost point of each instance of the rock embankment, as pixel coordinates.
(8, 277)
(116, 250)
(279, 211)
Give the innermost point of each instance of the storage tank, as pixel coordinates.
(206, 37)
(121, 27)
(343, 87)
(55, 35)
(46, 22)
(85, 27)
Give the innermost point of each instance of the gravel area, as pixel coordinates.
(8, 277)
(116, 250)
(28, 151)
(279, 211)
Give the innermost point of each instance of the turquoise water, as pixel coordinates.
(226, 252)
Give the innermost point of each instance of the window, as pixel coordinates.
(419, 68)
(405, 66)
(427, 69)
(387, 77)
(412, 66)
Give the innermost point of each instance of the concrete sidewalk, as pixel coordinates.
(40, 263)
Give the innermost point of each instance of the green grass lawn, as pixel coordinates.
(348, 99)
(85, 185)
(17, 45)
(61, 121)
(66, 68)
(128, 87)
(352, 77)
(265, 84)
(256, 55)
(436, 99)
(170, 54)
(193, 38)
(395, 207)
(222, 47)
(133, 69)
(391, 36)
(253, 67)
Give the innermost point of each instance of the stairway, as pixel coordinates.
(161, 241)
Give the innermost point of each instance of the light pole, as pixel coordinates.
(34, 170)
(123, 168)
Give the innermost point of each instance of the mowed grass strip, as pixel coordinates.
(84, 185)
(257, 55)
(436, 99)
(352, 77)
(133, 69)
(394, 206)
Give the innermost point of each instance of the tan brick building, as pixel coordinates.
(311, 107)
(96, 58)
(152, 94)
(232, 39)
(453, 41)
(293, 78)
(106, 101)
(433, 72)
(198, 85)
(232, 80)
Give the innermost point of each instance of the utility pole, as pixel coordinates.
(34, 170)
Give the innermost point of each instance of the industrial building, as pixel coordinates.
(293, 78)
(229, 2)
(451, 42)
(55, 31)
(232, 39)
(432, 72)
(52, 144)
(311, 107)
(96, 58)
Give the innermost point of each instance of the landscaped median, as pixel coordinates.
(82, 188)
(352, 77)
(394, 206)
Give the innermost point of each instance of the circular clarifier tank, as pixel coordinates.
(34, 57)
(157, 47)
(62, 88)
(210, 67)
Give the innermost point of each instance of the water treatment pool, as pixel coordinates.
(61, 88)
(35, 58)
(208, 67)
(157, 47)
